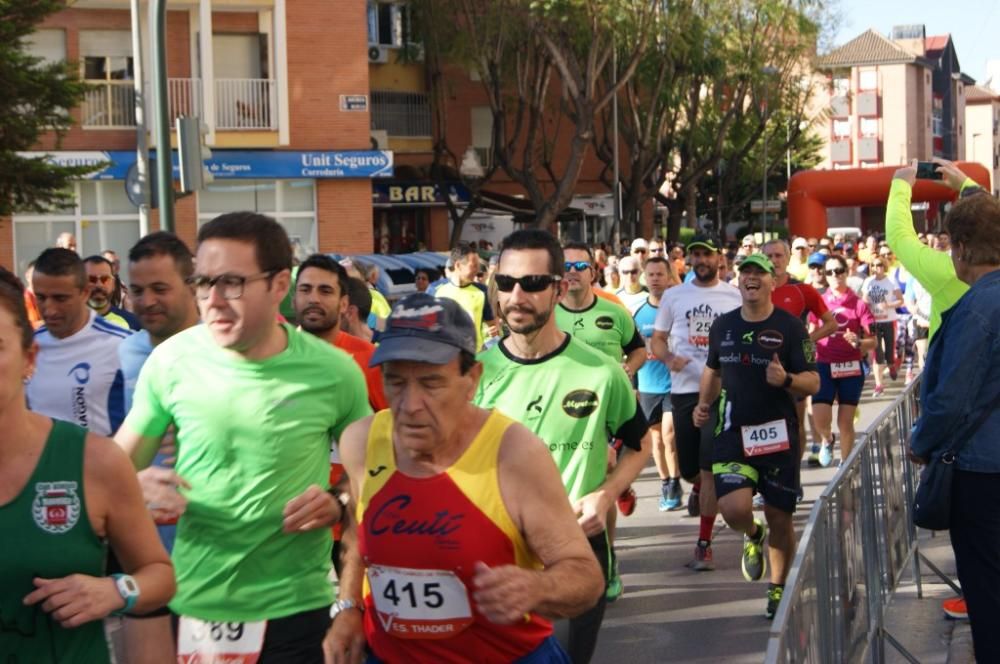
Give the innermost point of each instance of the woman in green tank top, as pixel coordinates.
(64, 495)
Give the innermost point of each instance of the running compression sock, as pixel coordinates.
(705, 529)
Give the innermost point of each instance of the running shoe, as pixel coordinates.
(955, 608)
(879, 389)
(694, 506)
(665, 496)
(813, 459)
(773, 600)
(615, 586)
(702, 557)
(893, 372)
(754, 563)
(627, 501)
(826, 456)
(671, 500)
(800, 495)
(758, 501)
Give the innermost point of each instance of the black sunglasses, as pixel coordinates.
(629, 271)
(579, 266)
(836, 270)
(531, 283)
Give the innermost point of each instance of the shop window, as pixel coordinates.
(101, 217)
(291, 202)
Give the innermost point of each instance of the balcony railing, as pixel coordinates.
(108, 104)
(406, 114)
(240, 103)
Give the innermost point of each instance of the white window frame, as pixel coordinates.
(77, 218)
(278, 214)
(841, 123)
(869, 133)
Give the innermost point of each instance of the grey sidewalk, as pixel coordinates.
(670, 613)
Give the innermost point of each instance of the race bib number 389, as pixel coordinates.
(204, 642)
(419, 603)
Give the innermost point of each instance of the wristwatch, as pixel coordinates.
(128, 589)
(788, 381)
(344, 605)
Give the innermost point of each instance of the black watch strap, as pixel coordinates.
(788, 381)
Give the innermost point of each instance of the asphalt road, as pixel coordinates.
(671, 613)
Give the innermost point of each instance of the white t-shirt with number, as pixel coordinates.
(877, 292)
(686, 313)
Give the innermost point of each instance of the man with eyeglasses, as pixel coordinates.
(255, 404)
(568, 394)
(680, 339)
(78, 374)
(104, 291)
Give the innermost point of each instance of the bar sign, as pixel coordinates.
(354, 102)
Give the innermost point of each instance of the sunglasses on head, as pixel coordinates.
(579, 266)
(531, 283)
(837, 270)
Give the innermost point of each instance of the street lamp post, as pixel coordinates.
(769, 71)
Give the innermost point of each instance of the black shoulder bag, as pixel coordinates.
(932, 503)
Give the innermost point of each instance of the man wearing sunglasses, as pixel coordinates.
(78, 376)
(609, 329)
(105, 292)
(568, 394)
(256, 404)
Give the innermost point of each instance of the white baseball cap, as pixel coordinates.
(639, 243)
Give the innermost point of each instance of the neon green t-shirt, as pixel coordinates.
(572, 399)
(471, 299)
(933, 269)
(251, 435)
(380, 306)
(603, 326)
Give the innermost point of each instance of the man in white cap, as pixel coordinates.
(798, 263)
(640, 249)
(632, 293)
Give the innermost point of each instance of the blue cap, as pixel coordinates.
(423, 328)
(817, 259)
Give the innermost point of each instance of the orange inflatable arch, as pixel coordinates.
(810, 193)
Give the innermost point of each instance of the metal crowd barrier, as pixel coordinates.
(854, 550)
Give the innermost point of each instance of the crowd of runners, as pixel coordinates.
(325, 476)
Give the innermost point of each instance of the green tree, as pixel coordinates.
(541, 63)
(36, 99)
(699, 96)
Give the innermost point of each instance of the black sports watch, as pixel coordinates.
(788, 381)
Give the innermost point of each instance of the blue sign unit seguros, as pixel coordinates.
(251, 164)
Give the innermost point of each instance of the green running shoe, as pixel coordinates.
(615, 586)
(754, 559)
(773, 600)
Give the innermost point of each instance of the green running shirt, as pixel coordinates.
(603, 325)
(572, 399)
(47, 533)
(251, 435)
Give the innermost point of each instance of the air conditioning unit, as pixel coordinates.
(380, 139)
(378, 55)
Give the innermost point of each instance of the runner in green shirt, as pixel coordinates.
(572, 397)
(256, 405)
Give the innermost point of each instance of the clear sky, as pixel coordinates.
(974, 25)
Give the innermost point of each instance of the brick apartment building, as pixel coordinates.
(891, 100)
(282, 86)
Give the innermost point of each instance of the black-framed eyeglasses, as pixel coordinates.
(579, 266)
(230, 285)
(529, 283)
(835, 271)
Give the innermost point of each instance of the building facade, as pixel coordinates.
(982, 137)
(282, 89)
